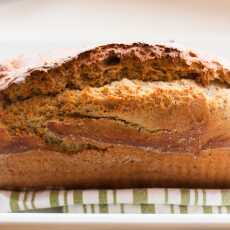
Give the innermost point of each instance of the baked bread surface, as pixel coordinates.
(116, 116)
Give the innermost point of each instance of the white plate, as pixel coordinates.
(112, 221)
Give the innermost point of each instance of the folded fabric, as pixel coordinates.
(146, 209)
(152, 200)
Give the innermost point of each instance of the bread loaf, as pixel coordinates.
(116, 116)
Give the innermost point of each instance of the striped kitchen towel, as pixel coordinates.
(152, 200)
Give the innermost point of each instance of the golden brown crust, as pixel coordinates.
(116, 116)
(105, 64)
(115, 168)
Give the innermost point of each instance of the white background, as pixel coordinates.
(28, 25)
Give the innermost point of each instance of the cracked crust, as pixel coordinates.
(142, 115)
(104, 64)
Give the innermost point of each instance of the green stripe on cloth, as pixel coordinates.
(183, 209)
(172, 208)
(33, 200)
(92, 208)
(54, 202)
(148, 208)
(207, 209)
(103, 208)
(196, 197)
(122, 208)
(136, 200)
(166, 196)
(65, 200)
(102, 197)
(84, 208)
(228, 209)
(225, 195)
(25, 200)
(204, 197)
(185, 196)
(14, 202)
(114, 196)
(77, 197)
(140, 196)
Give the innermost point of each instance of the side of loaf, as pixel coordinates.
(116, 116)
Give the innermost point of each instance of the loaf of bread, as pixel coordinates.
(116, 116)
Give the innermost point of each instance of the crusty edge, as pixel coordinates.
(114, 168)
(16, 71)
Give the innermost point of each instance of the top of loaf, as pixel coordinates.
(105, 64)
